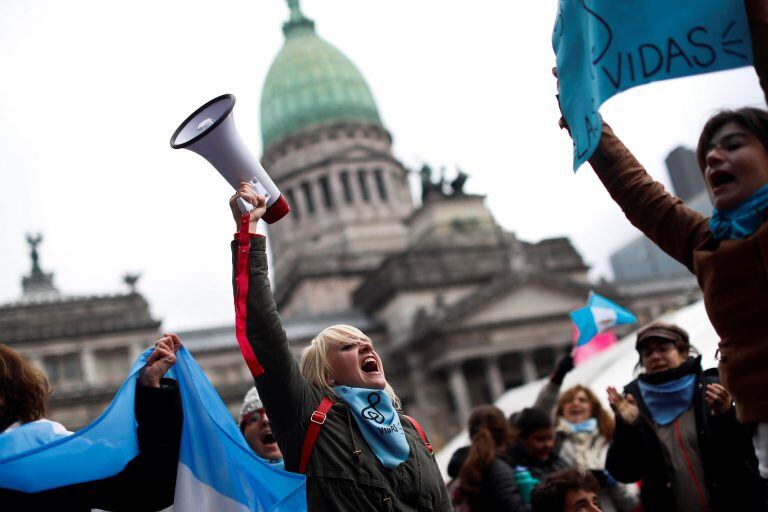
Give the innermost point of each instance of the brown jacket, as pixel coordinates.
(733, 274)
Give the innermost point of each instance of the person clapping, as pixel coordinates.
(676, 430)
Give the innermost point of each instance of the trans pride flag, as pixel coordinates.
(598, 316)
(217, 469)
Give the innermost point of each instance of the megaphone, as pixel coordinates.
(211, 133)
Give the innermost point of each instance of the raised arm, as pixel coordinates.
(159, 417)
(549, 395)
(285, 393)
(662, 217)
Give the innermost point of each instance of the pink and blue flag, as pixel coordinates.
(598, 316)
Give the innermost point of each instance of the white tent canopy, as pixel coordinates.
(613, 367)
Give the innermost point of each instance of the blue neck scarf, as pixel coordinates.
(742, 221)
(588, 425)
(668, 400)
(379, 422)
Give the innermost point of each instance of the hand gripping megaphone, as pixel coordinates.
(211, 133)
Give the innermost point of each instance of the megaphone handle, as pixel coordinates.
(245, 206)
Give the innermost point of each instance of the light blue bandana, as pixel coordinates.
(379, 422)
(742, 221)
(669, 400)
(583, 426)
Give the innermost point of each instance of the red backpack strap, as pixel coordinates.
(313, 430)
(421, 434)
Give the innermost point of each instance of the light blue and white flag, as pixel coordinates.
(217, 469)
(599, 315)
(604, 47)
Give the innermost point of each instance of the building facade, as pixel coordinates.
(84, 344)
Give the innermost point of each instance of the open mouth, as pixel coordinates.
(267, 438)
(370, 365)
(718, 179)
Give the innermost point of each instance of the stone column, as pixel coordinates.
(88, 364)
(424, 409)
(528, 367)
(460, 393)
(494, 380)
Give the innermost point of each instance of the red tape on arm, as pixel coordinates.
(242, 275)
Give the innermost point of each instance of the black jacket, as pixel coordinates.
(498, 491)
(148, 481)
(343, 473)
(517, 456)
(727, 453)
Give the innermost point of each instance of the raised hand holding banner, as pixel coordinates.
(604, 47)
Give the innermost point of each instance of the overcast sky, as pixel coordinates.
(90, 92)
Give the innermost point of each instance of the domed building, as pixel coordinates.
(459, 309)
(326, 148)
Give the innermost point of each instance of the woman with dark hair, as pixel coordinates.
(24, 390)
(676, 430)
(584, 431)
(728, 252)
(148, 481)
(487, 482)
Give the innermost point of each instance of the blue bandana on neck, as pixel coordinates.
(668, 400)
(379, 422)
(588, 425)
(742, 221)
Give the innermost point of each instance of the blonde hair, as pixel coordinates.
(315, 366)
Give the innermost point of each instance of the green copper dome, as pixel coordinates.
(311, 82)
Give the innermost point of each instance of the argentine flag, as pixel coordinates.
(599, 315)
(217, 470)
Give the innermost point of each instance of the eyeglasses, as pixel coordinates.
(660, 346)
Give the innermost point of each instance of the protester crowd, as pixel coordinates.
(674, 443)
(677, 437)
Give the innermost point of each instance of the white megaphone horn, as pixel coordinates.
(211, 133)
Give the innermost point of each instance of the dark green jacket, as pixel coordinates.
(343, 473)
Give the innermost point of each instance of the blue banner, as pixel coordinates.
(604, 47)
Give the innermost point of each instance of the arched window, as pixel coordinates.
(306, 188)
(289, 196)
(380, 185)
(325, 189)
(346, 185)
(362, 176)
